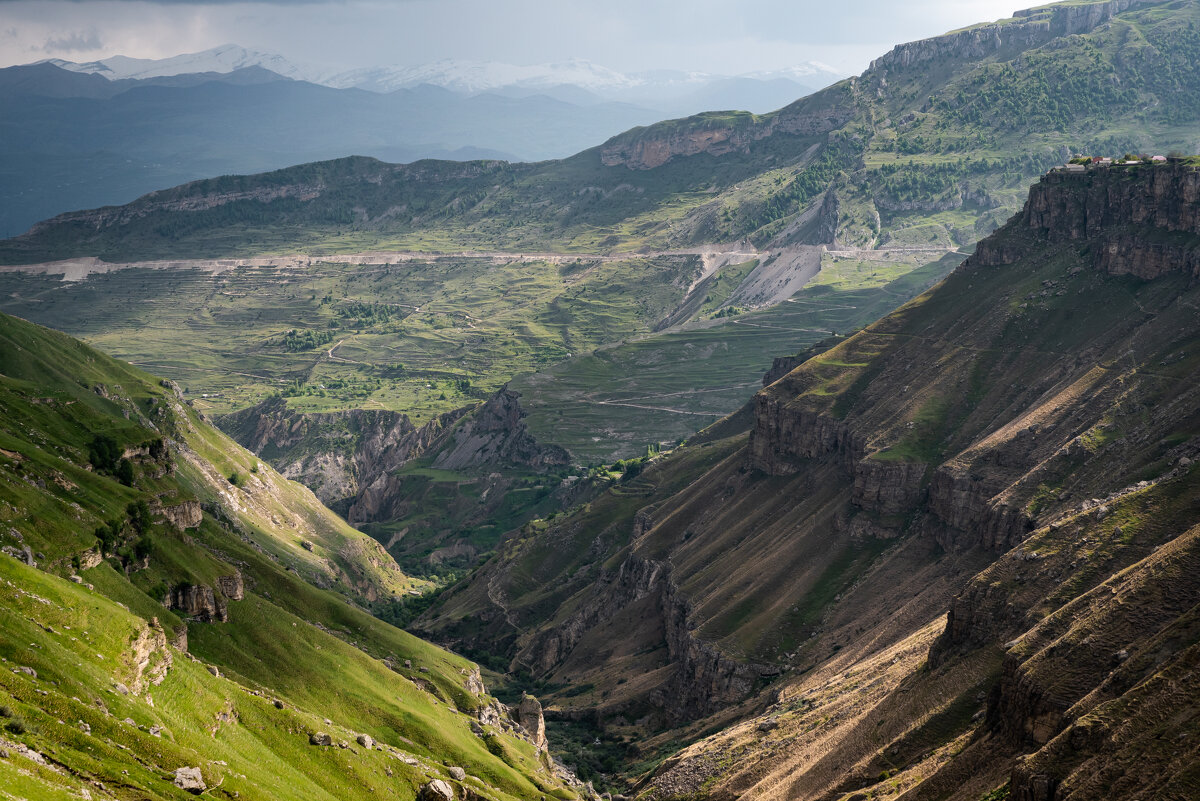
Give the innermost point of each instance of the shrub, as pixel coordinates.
(104, 452)
(139, 516)
(124, 472)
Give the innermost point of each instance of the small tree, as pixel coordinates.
(124, 472)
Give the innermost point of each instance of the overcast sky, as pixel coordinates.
(722, 36)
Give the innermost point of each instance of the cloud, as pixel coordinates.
(626, 35)
(73, 42)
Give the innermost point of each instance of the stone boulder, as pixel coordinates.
(437, 790)
(320, 738)
(191, 780)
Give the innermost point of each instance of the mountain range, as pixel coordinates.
(842, 452)
(104, 132)
(665, 90)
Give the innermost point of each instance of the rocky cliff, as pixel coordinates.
(720, 133)
(354, 461)
(1141, 220)
(1016, 446)
(346, 457)
(1028, 28)
(334, 453)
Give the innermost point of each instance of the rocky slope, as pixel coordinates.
(180, 618)
(1016, 446)
(355, 461)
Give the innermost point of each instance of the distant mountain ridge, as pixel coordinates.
(105, 132)
(462, 76)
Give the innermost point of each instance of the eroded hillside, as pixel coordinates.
(1015, 445)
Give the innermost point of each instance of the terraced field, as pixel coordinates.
(421, 336)
(656, 389)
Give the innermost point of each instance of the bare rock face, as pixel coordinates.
(232, 587)
(474, 683)
(147, 660)
(1032, 28)
(496, 433)
(198, 602)
(182, 516)
(888, 488)
(784, 436)
(90, 558)
(781, 366)
(1131, 212)
(529, 715)
(350, 457)
(191, 780)
(720, 133)
(972, 516)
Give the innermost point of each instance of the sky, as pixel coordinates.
(716, 36)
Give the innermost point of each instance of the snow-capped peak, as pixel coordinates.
(472, 77)
(223, 59)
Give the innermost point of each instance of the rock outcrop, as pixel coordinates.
(528, 715)
(197, 602)
(436, 790)
(785, 435)
(496, 434)
(348, 458)
(1030, 28)
(719, 133)
(1141, 220)
(232, 587)
(781, 366)
(182, 516)
(888, 488)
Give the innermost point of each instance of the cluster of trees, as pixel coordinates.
(105, 455)
(805, 185)
(114, 534)
(300, 340)
(358, 314)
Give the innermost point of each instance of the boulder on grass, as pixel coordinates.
(190, 779)
(437, 790)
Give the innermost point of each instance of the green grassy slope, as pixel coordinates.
(126, 687)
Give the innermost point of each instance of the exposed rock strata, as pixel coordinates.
(198, 602)
(718, 134)
(1142, 221)
(888, 488)
(349, 457)
(784, 436)
(1033, 28)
